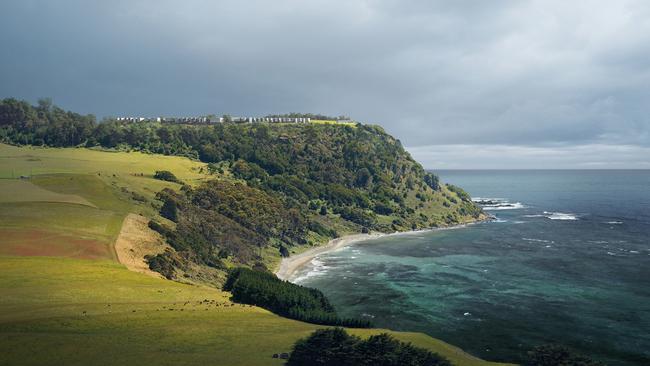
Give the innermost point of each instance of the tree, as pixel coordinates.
(166, 175)
(364, 178)
(432, 181)
(44, 105)
(284, 252)
(325, 347)
(323, 210)
(169, 210)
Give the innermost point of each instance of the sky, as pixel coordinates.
(463, 84)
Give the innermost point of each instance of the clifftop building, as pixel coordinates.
(213, 120)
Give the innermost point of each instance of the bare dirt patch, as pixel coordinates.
(136, 240)
(34, 242)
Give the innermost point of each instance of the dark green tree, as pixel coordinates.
(169, 210)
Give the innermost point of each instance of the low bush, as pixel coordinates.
(166, 175)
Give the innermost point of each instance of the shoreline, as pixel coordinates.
(290, 265)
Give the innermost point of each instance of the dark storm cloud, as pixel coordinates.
(547, 75)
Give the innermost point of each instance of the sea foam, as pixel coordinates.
(560, 216)
(538, 240)
(318, 268)
(494, 204)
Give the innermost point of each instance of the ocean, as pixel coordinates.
(567, 261)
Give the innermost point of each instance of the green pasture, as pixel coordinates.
(77, 312)
(71, 202)
(125, 171)
(28, 161)
(20, 190)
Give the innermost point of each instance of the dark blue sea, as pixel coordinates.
(567, 261)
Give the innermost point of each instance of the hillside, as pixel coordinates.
(60, 305)
(273, 189)
(58, 311)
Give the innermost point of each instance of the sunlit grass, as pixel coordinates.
(66, 311)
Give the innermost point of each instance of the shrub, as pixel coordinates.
(161, 229)
(327, 347)
(138, 197)
(164, 263)
(166, 175)
(357, 215)
(169, 210)
(284, 252)
(383, 209)
(318, 228)
(432, 181)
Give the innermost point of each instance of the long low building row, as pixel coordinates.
(211, 120)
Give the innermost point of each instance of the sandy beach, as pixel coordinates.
(290, 265)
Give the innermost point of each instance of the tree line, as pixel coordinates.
(284, 298)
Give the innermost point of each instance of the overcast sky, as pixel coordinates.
(463, 84)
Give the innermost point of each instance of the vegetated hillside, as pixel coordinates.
(277, 188)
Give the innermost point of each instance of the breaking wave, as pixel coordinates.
(538, 240)
(317, 268)
(560, 216)
(497, 204)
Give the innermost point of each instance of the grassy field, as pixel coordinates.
(59, 307)
(72, 202)
(122, 173)
(17, 161)
(13, 190)
(79, 312)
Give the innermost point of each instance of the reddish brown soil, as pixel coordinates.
(34, 242)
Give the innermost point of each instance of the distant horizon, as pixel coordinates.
(558, 156)
(539, 170)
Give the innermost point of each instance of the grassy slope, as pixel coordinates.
(36, 160)
(44, 300)
(76, 199)
(12, 190)
(127, 318)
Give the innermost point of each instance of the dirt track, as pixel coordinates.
(136, 240)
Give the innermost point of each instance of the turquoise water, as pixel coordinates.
(567, 261)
